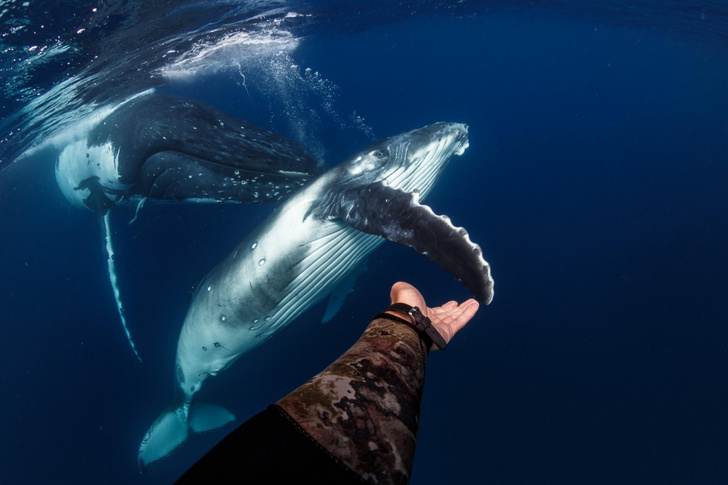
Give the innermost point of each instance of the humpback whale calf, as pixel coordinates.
(302, 252)
(167, 148)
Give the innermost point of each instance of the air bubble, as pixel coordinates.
(261, 262)
(222, 319)
(254, 245)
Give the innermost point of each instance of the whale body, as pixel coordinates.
(168, 148)
(303, 252)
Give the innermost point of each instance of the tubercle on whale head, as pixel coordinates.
(420, 156)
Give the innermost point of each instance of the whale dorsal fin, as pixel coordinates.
(399, 217)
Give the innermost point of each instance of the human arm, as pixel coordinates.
(364, 408)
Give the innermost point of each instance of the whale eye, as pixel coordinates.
(380, 154)
(377, 158)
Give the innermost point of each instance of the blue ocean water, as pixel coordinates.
(594, 183)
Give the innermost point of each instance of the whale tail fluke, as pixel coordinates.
(206, 417)
(173, 426)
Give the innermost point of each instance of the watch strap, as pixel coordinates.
(421, 323)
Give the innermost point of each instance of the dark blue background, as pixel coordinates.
(595, 184)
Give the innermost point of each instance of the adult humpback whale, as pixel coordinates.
(302, 252)
(168, 148)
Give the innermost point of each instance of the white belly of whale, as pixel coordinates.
(228, 317)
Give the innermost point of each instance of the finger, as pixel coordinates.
(450, 321)
(452, 310)
(461, 319)
(450, 304)
(467, 310)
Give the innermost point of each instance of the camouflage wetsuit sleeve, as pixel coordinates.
(364, 408)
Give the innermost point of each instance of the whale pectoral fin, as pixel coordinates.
(399, 217)
(336, 300)
(206, 417)
(113, 279)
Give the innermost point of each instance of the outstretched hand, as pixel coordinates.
(448, 318)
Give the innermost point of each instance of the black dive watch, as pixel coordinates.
(421, 323)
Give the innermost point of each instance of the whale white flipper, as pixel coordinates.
(113, 279)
